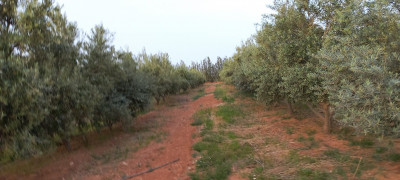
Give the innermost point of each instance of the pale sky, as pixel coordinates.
(188, 30)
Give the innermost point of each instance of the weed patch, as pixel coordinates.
(229, 113)
(311, 132)
(307, 173)
(218, 158)
(364, 142)
(289, 130)
(308, 142)
(228, 99)
(199, 94)
(394, 157)
(349, 165)
(219, 92)
(200, 117)
(380, 150)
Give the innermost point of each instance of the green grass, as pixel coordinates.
(311, 132)
(295, 158)
(202, 116)
(218, 151)
(231, 135)
(289, 130)
(394, 157)
(229, 113)
(348, 164)
(218, 158)
(199, 94)
(219, 92)
(336, 155)
(307, 173)
(364, 142)
(380, 150)
(228, 99)
(308, 142)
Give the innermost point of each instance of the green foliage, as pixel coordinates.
(210, 70)
(168, 79)
(226, 73)
(54, 86)
(342, 55)
(358, 67)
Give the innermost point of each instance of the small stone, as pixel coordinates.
(125, 164)
(71, 163)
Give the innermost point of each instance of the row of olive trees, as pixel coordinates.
(341, 58)
(54, 85)
(209, 69)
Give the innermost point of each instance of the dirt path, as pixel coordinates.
(177, 145)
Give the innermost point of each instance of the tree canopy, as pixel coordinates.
(340, 56)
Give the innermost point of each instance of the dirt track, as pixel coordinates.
(177, 145)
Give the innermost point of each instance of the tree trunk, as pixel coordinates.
(85, 140)
(67, 145)
(290, 107)
(110, 126)
(327, 118)
(158, 101)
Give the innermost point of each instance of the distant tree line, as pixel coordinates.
(340, 58)
(209, 69)
(55, 85)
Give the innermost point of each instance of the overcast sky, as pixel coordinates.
(187, 30)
